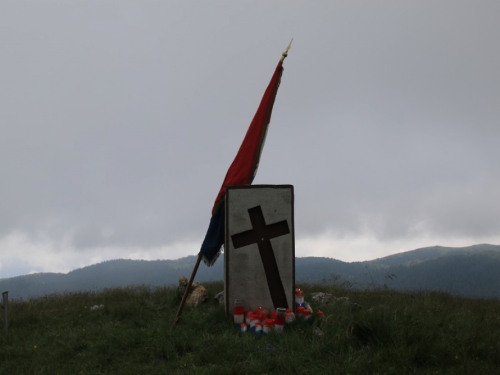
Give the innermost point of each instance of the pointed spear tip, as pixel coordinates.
(285, 54)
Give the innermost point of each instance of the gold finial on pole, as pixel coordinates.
(285, 54)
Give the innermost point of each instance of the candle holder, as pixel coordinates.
(280, 319)
(268, 326)
(300, 311)
(290, 316)
(299, 298)
(307, 314)
(248, 316)
(263, 315)
(253, 321)
(258, 328)
(238, 312)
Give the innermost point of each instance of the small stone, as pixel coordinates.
(183, 281)
(321, 297)
(197, 296)
(197, 293)
(219, 297)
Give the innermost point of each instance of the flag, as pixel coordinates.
(243, 168)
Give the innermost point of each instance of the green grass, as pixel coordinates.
(388, 333)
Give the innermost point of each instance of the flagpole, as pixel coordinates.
(186, 292)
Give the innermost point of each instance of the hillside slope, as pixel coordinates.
(469, 271)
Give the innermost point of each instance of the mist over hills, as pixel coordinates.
(468, 271)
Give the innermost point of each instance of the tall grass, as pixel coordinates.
(379, 332)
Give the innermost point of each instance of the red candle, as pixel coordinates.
(280, 316)
(248, 316)
(263, 315)
(299, 297)
(268, 325)
(300, 311)
(257, 312)
(280, 320)
(290, 316)
(307, 313)
(238, 310)
(253, 321)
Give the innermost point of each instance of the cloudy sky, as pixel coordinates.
(119, 119)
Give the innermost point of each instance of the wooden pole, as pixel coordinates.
(5, 307)
(186, 292)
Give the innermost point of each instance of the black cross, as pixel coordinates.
(261, 234)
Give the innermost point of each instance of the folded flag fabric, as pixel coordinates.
(243, 168)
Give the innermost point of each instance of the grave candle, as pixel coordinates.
(258, 328)
(299, 297)
(243, 327)
(253, 321)
(300, 311)
(248, 316)
(290, 316)
(263, 315)
(238, 312)
(306, 313)
(318, 332)
(268, 326)
(280, 319)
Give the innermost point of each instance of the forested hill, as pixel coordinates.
(469, 271)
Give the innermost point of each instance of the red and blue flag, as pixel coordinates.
(243, 168)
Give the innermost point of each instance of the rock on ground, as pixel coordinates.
(321, 297)
(219, 297)
(198, 294)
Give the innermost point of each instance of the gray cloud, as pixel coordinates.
(119, 119)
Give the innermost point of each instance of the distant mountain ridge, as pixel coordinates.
(471, 271)
(429, 253)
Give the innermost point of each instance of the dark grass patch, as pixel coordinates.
(389, 333)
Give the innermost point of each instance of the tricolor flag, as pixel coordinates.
(244, 167)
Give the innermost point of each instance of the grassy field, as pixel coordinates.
(384, 333)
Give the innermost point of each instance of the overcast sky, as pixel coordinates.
(119, 119)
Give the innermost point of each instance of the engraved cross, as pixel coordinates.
(261, 234)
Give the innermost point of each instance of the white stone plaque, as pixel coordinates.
(259, 247)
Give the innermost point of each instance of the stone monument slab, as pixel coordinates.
(259, 246)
